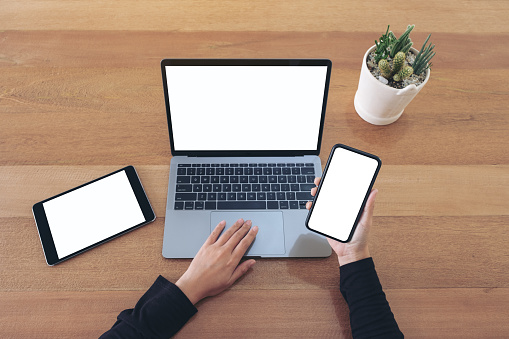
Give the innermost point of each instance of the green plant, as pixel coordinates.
(404, 73)
(384, 46)
(392, 49)
(403, 43)
(398, 71)
(389, 45)
(422, 60)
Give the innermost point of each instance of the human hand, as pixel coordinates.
(216, 266)
(357, 248)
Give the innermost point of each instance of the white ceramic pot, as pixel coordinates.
(380, 104)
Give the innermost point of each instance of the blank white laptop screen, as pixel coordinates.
(244, 108)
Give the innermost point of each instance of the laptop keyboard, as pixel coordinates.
(244, 186)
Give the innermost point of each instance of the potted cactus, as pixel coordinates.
(392, 73)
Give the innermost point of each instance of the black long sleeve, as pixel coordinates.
(370, 313)
(160, 313)
(164, 309)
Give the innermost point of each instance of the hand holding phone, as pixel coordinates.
(343, 191)
(357, 248)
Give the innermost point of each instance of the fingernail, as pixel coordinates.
(241, 221)
(249, 223)
(255, 229)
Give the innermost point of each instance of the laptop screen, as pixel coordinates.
(267, 107)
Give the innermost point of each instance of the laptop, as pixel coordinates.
(245, 135)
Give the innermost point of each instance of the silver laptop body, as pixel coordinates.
(245, 135)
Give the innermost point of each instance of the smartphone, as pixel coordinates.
(91, 214)
(343, 191)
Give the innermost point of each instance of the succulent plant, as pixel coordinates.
(403, 43)
(390, 55)
(422, 60)
(389, 45)
(398, 71)
(398, 62)
(384, 46)
(404, 73)
(385, 68)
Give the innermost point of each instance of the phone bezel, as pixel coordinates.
(44, 230)
(323, 180)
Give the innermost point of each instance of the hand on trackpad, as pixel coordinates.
(270, 239)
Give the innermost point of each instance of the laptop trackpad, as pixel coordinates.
(270, 239)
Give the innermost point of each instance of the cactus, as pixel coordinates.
(404, 73)
(397, 49)
(398, 62)
(398, 71)
(385, 68)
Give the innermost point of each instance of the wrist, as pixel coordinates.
(188, 290)
(353, 257)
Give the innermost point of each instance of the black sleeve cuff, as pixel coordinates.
(370, 313)
(161, 312)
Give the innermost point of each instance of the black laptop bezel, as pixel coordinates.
(246, 62)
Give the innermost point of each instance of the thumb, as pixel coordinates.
(241, 270)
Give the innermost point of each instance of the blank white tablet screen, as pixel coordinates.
(92, 213)
(345, 185)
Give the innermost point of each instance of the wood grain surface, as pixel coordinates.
(81, 95)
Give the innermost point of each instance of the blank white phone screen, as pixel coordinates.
(245, 108)
(343, 190)
(92, 213)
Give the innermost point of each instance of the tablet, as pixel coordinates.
(77, 220)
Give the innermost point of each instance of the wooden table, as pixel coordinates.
(81, 95)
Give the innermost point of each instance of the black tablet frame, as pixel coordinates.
(246, 62)
(43, 228)
(361, 209)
